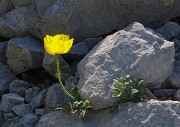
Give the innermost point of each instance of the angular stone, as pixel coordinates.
(6, 77)
(68, 79)
(77, 51)
(127, 51)
(10, 100)
(12, 23)
(176, 45)
(166, 85)
(77, 74)
(91, 42)
(19, 87)
(37, 101)
(166, 98)
(177, 96)
(55, 96)
(9, 116)
(11, 122)
(164, 93)
(3, 46)
(174, 79)
(22, 109)
(178, 36)
(29, 120)
(5, 6)
(177, 55)
(31, 93)
(2, 120)
(9, 5)
(150, 95)
(49, 64)
(40, 112)
(144, 114)
(29, 54)
(169, 31)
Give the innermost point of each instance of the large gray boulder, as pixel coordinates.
(136, 51)
(81, 19)
(145, 114)
(24, 53)
(85, 19)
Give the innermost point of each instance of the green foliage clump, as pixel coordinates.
(128, 89)
(79, 106)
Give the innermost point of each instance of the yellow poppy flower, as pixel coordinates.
(58, 44)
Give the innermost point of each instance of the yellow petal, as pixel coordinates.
(68, 45)
(58, 44)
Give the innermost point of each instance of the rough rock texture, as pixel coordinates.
(145, 114)
(3, 46)
(37, 101)
(136, 51)
(40, 112)
(164, 92)
(12, 21)
(29, 54)
(79, 50)
(55, 96)
(19, 87)
(22, 109)
(29, 120)
(176, 45)
(177, 96)
(49, 64)
(10, 115)
(178, 36)
(10, 100)
(12, 24)
(2, 120)
(150, 95)
(169, 30)
(174, 79)
(68, 79)
(31, 93)
(9, 5)
(85, 19)
(6, 77)
(81, 19)
(11, 122)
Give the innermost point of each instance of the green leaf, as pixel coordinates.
(134, 91)
(129, 89)
(114, 108)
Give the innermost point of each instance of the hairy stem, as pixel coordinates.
(59, 78)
